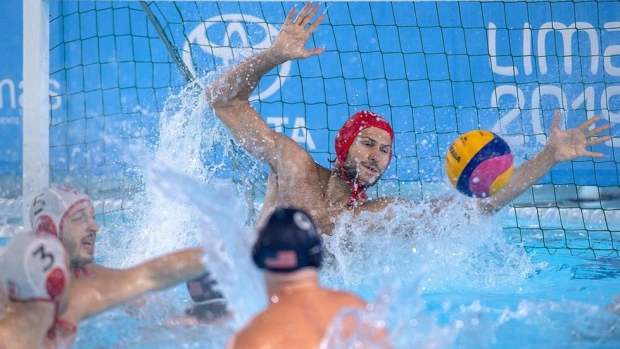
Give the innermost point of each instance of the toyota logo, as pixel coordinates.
(229, 39)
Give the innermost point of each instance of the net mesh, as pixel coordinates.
(434, 69)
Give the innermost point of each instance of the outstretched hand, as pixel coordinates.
(572, 143)
(292, 38)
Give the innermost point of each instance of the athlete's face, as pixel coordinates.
(368, 156)
(79, 231)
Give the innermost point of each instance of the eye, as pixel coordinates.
(385, 150)
(79, 217)
(368, 143)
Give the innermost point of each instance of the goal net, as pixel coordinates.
(434, 69)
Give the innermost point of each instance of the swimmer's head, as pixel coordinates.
(288, 242)
(50, 208)
(346, 136)
(34, 268)
(67, 213)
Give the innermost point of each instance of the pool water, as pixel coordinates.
(565, 304)
(440, 283)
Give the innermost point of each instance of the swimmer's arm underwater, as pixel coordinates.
(121, 285)
(229, 95)
(562, 145)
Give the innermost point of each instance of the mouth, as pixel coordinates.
(371, 168)
(88, 244)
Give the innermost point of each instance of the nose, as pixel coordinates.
(372, 157)
(92, 224)
(375, 155)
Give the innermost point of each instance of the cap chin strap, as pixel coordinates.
(64, 326)
(358, 192)
(77, 270)
(60, 325)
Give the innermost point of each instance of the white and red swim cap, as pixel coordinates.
(34, 268)
(50, 208)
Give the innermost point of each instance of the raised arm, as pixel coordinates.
(119, 286)
(562, 145)
(229, 95)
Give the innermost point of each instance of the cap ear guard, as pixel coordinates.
(46, 224)
(314, 253)
(55, 283)
(256, 257)
(316, 258)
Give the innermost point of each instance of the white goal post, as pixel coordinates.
(36, 102)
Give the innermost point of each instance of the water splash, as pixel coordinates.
(456, 247)
(157, 225)
(427, 263)
(196, 204)
(226, 240)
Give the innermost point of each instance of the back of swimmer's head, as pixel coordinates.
(287, 242)
(34, 268)
(50, 207)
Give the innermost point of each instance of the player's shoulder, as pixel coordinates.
(285, 143)
(293, 153)
(346, 298)
(258, 332)
(93, 274)
(98, 270)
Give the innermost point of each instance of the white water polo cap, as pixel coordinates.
(50, 208)
(34, 268)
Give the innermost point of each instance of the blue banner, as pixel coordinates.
(11, 88)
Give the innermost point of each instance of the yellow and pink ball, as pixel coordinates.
(479, 163)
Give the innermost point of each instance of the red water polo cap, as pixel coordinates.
(344, 139)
